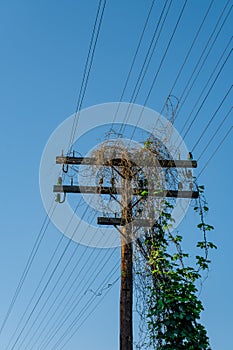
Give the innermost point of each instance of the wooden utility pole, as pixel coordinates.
(126, 295)
(126, 292)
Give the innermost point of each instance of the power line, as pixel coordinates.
(205, 58)
(207, 83)
(74, 322)
(210, 121)
(215, 151)
(189, 51)
(54, 288)
(147, 60)
(208, 93)
(41, 279)
(202, 52)
(165, 53)
(40, 236)
(134, 59)
(30, 260)
(66, 294)
(59, 276)
(35, 292)
(215, 133)
(64, 317)
(45, 287)
(76, 126)
(87, 70)
(91, 312)
(160, 65)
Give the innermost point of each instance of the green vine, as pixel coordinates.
(173, 307)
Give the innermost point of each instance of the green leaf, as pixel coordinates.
(178, 238)
(201, 244)
(209, 227)
(211, 245)
(144, 193)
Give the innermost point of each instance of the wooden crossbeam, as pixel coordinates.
(164, 163)
(102, 220)
(118, 190)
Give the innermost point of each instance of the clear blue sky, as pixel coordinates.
(43, 49)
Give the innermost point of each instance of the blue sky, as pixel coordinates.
(43, 49)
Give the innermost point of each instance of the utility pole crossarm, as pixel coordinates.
(102, 220)
(164, 163)
(118, 190)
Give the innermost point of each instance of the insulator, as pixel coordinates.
(59, 181)
(191, 186)
(180, 186)
(58, 198)
(71, 182)
(101, 181)
(189, 174)
(190, 156)
(112, 181)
